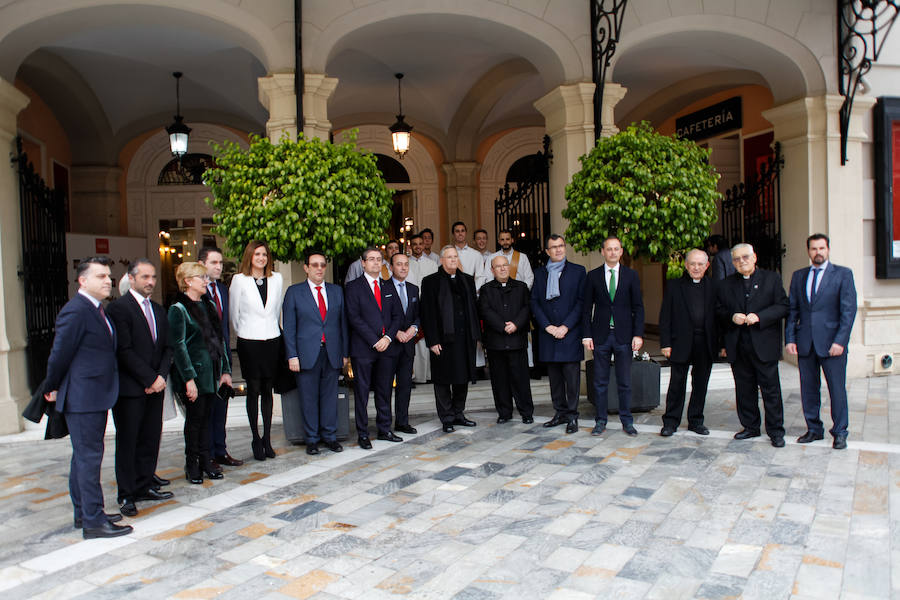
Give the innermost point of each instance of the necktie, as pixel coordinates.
(377, 292)
(103, 316)
(215, 295)
(812, 290)
(323, 310)
(612, 292)
(403, 299)
(148, 314)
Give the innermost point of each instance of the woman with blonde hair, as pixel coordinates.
(200, 365)
(255, 305)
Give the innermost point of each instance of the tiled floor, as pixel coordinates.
(496, 511)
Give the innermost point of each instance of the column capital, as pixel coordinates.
(568, 108)
(12, 102)
(612, 94)
(276, 94)
(461, 173)
(317, 90)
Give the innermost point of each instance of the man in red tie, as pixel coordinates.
(374, 315)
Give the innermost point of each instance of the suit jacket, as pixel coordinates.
(767, 299)
(829, 319)
(224, 298)
(249, 318)
(410, 318)
(82, 366)
(722, 265)
(563, 310)
(627, 308)
(190, 354)
(304, 327)
(676, 326)
(498, 304)
(366, 322)
(141, 359)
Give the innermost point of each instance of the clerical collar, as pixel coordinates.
(696, 280)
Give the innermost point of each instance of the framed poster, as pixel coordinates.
(887, 188)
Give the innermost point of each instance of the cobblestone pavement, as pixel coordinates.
(495, 511)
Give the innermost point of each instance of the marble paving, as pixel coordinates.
(496, 511)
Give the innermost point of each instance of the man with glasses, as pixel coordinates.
(750, 306)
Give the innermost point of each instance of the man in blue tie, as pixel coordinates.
(822, 311)
(404, 348)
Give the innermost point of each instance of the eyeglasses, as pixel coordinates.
(318, 265)
(556, 246)
(741, 258)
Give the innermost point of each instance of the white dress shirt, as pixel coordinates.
(315, 293)
(812, 274)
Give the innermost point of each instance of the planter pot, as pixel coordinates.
(292, 416)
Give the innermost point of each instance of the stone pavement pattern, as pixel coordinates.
(497, 511)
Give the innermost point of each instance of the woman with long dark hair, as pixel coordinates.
(255, 305)
(200, 365)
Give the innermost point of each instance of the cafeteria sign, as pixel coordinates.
(711, 121)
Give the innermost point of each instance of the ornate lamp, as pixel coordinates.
(178, 131)
(400, 130)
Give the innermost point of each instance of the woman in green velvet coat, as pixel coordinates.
(200, 365)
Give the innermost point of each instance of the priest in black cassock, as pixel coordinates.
(450, 323)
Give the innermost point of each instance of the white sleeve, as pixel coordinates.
(234, 303)
(524, 272)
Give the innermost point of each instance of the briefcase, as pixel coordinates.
(645, 390)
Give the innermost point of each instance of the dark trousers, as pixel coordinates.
(196, 428)
(702, 365)
(86, 432)
(510, 379)
(218, 414)
(835, 368)
(318, 387)
(138, 429)
(565, 385)
(602, 354)
(403, 391)
(752, 374)
(376, 374)
(451, 401)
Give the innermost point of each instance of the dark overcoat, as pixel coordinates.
(449, 317)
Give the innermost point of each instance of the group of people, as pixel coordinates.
(424, 316)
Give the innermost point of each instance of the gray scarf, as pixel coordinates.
(554, 270)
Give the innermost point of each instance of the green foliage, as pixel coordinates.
(656, 193)
(298, 195)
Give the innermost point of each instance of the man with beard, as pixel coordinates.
(519, 266)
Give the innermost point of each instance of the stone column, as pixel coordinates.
(95, 204)
(13, 371)
(462, 193)
(317, 89)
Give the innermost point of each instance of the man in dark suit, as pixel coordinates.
(556, 302)
(687, 337)
(505, 313)
(720, 257)
(217, 292)
(750, 305)
(404, 348)
(144, 361)
(822, 311)
(83, 377)
(613, 326)
(374, 316)
(315, 340)
(450, 323)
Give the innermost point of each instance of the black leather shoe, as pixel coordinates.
(556, 420)
(840, 442)
(778, 442)
(312, 449)
(109, 517)
(228, 460)
(667, 432)
(389, 436)
(195, 478)
(160, 481)
(405, 429)
(334, 446)
(699, 429)
(107, 530)
(152, 495)
(213, 473)
(745, 434)
(448, 428)
(364, 443)
(502, 420)
(528, 420)
(809, 436)
(572, 426)
(629, 430)
(598, 429)
(464, 422)
(127, 508)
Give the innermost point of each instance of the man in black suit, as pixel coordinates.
(720, 256)
(750, 306)
(504, 306)
(687, 336)
(374, 316)
(614, 326)
(144, 361)
(83, 379)
(404, 347)
(217, 292)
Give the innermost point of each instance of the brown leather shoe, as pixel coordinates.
(228, 460)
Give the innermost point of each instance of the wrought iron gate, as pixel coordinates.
(524, 208)
(43, 216)
(751, 213)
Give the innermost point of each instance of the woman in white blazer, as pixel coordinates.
(255, 305)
